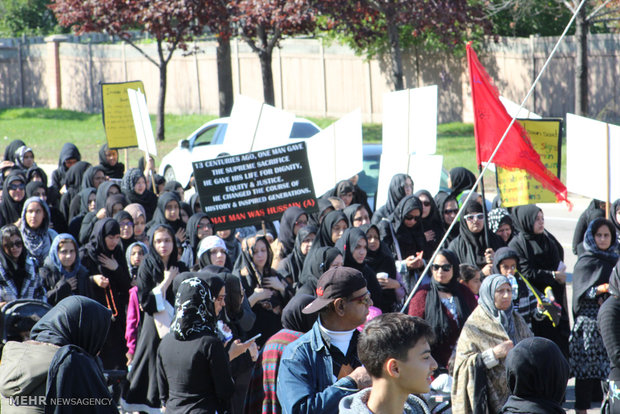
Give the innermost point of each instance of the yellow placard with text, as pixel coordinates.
(117, 118)
(517, 187)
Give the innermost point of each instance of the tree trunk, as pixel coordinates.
(161, 103)
(265, 65)
(224, 76)
(581, 67)
(396, 59)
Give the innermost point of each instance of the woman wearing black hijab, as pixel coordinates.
(401, 186)
(60, 360)
(105, 261)
(448, 208)
(354, 246)
(13, 197)
(431, 222)
(537, 375)
(588, 358)
(193, 372)
(357, 214)
(319, 261)
(135, 189)
(197, 228)
(108, 159)
(293, 219)
(445, 304)
(73, 185)
(155, 293)
(9, 151)
(595, 209)
(460, 179)
(325, 207)
(69, 155)
(541, 262)
(105, 190)
(331, 229)
(125, 221)
(168, 212)
(471, 246)
(87, 198)
(291, 266)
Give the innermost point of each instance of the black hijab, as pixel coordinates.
(431, 222)
(11, 210)
(292, 316)
(15, 269)
(191, 229)
(287, 226)
(35, 170)
(594, 266)
(9, 151)
(470, 247)
(171, 186)
(433, 313)
(103, 194)
(74, 175)
(113, 200)
(324, 236)
(294, 262)
(541, 246)
(410, 239)
(112, 171)
(32, 186)
(148, 200)
(194, 306)
(96, 244)
(441, 199)
(537, 374)
(160, 216)
(84, 196)
(325, 207)
(396, 193)
(351, 211)
(124, 215)
(152, 267)
(89, 175)
(317, 262)
(612, 212)
(461, 179)
(75, 320)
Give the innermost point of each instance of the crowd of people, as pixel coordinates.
(301, 315)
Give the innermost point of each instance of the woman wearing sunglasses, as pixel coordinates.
(445, 304)
(13, 197)
(18, 277)
(471, 244)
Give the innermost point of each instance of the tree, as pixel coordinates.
(26, 17)
(522, 18)
(172, 23)
(377, 27)
(263, 23)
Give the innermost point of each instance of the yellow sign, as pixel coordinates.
(517, 187)
(117, 119)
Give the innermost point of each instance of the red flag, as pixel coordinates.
(490, 123)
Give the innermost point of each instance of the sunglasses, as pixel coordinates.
(16, 186)
(426, 203)
(126, 224)
(445, 267)
(451, 211)
(10, 244)
(408, 217)
(362, 299)
(474, 217)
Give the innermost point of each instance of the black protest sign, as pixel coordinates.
(242, 190)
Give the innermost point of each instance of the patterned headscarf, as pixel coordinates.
(194, 307)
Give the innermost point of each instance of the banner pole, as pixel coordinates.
(484, 208)
(608, 183)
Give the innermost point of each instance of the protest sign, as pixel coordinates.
(517, 187)
(245, 189)
(514, 110)
(117, 117)
(592, 151)
(409, 128)
(142, 122)
(336, 153)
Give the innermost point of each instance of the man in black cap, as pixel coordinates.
(321, 367)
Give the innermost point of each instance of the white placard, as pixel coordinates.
(142, 122)
(513, 110)
(254, 125)
(336, 153)
(409, 127)
(425, 171)
(586, 152)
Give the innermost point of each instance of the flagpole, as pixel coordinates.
(484, 209)
(608, 184)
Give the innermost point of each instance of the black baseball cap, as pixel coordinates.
(339, 282)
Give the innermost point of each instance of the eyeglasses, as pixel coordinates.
(473, 217)
(16, 186)
(408, 217)
(445, 267)
(17, 243)
(451, 211)
(126, 224)
(362, 299)
(301, 223)
(426, 203)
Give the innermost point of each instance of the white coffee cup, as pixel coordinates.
(382, 275)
